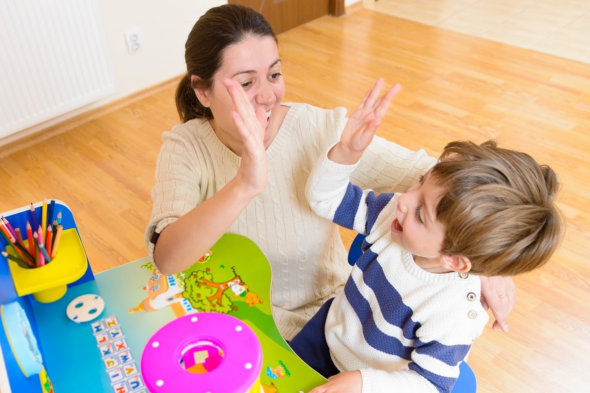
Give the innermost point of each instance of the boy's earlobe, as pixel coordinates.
(456, 263)
(201, 93)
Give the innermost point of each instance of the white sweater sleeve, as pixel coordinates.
(326, 187)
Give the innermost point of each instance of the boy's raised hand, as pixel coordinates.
(362, 125)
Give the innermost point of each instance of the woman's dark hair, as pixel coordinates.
(217, 29)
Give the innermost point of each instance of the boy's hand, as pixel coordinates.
(363, 123)
(345, 382)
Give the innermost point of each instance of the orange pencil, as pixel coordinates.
(30, 239)
(8, 227)
(56, 240)
(48, 239)
(5, 232)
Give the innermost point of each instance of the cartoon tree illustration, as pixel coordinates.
(206, 295)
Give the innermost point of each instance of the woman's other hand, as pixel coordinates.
(498, 294)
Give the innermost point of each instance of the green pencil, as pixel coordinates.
(15, 259)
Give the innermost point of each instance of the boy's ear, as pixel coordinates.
(456, 263)
(201, 93)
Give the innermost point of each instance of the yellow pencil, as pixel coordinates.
(44, 217)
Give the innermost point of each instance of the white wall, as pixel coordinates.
(164, 27)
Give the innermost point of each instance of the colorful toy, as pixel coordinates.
(212, 352)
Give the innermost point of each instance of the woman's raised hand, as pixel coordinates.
(251, 127)
(362, 124)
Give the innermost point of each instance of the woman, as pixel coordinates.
(212, 178)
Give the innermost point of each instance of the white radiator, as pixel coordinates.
(53, 59)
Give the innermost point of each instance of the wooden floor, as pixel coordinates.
(455, 87)
(557, 27)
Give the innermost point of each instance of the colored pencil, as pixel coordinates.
(5, 232)
(30, 239)
(58, 218)
(6, 236)
(50, 212)
(23, 253)
(56, 239)
(18, 250)
(14, 245)
(41, 260)
(44, 216)
(54, 228)
(33, 214)
(44, 252)
(7, 225)
(48, 239)
(19, 237)
(15, 259)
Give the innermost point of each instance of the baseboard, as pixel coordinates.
(31, 136)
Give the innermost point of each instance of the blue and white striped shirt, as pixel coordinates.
(406, 329)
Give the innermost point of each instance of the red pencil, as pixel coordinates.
(48, 239)
(30, 239)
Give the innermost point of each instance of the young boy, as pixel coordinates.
(411, 309)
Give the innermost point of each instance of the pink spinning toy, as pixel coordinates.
(204, 353)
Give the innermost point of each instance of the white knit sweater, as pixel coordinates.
(305, 251)
(405, 328)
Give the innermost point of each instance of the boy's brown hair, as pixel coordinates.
(499, 208)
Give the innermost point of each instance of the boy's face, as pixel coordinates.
(415, 227)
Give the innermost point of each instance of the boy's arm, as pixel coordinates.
(328, 189)
(362, 125)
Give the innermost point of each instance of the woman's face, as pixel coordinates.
(254, 62)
